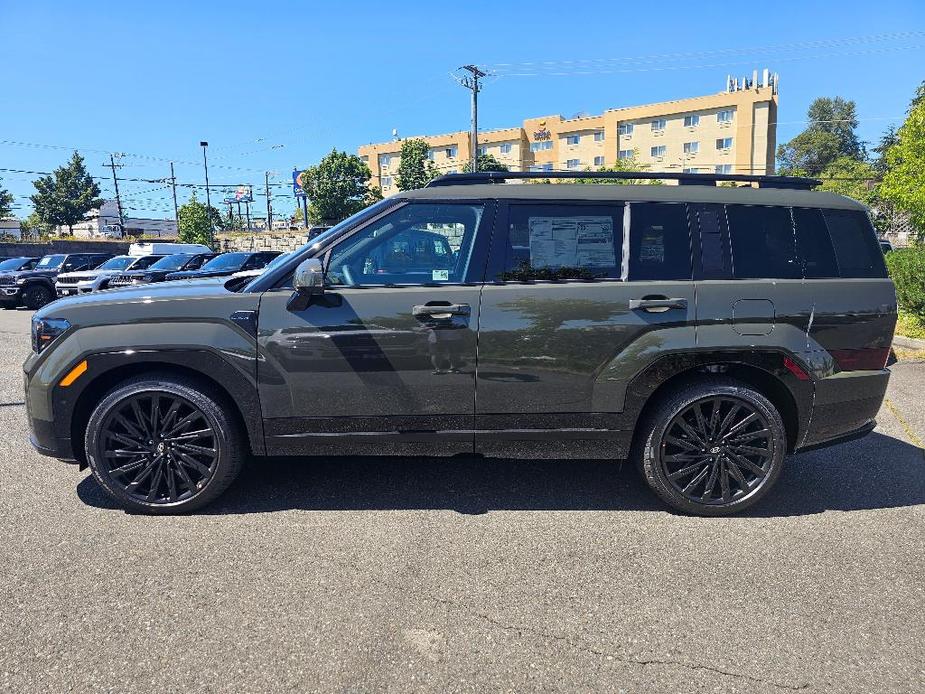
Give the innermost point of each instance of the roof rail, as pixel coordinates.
(684, 179)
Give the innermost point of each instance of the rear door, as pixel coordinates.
(384, 362)
(580, 297)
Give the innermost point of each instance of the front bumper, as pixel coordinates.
(8, 292)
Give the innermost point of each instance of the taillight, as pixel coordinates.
(871, 359)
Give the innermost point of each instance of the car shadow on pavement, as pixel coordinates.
(876, 472)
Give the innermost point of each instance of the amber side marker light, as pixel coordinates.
(73, 374)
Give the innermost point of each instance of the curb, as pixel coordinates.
(908, 342)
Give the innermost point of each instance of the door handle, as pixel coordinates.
(655, 304)
(432, 310)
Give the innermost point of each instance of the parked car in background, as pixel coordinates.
(18, 263)
(158, 271)
(227, 264)
(86, 281)
(259, 271)
(166, 248)
(36, 287)
(316, 231)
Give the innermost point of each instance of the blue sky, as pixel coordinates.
(277, 85)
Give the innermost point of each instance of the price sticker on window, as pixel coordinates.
(440, 275)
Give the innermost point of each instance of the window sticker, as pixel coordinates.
(571, 242)
(652, 245)
(440, 275)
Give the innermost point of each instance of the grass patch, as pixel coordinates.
(910, 325)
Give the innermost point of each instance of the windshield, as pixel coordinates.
(12, 263)
(227, 261)
(277, 261)
(50, 261)
(171, 262)
(120, 262)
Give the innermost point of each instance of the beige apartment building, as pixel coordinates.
(733, 131)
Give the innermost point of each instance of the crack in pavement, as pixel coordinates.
(596, 651)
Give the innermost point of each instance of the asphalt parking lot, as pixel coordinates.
(466, 575)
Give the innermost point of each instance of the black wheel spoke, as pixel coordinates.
(717, 450)
(159, 447)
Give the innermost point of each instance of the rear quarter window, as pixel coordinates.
(763, 243)
(855, 242)
(813, 244)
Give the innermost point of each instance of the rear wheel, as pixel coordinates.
(36, 296)
(713, 448)
(163, 445)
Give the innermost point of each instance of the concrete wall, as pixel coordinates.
(10, 250)
(283, 242)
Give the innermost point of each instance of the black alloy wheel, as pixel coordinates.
(36, 296)
(163, 447)
(714, 448)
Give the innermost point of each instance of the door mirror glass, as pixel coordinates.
(309, 277)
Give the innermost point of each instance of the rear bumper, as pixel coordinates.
(844, 407)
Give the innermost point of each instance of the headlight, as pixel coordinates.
(45, 330)
(89, 278)
(21, 280)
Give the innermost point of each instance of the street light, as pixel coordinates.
(205, 164)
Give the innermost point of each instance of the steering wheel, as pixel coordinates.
(348, 275)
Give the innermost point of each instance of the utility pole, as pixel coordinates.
(173, 185)
(205, 164)
(472, 83)
(115, 184)
(266, 179)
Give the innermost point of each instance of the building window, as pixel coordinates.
(541, 167)
(506, 148)
(725, 116)
(598, 161)
(451, 152)
(482, 150)
(449, 171)
(573, 139)
(723, 169)
(723, 143)
(573, 163)
(540, 146)
(691, 147)
(364, 158)
(384, 161)
(386, 181)
(431, 154)
(689, 169)
(659, 124)
(626, 154)
(625, 129)
(658, 151)
(691, 121)
(599, 136)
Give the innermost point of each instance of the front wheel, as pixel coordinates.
(36, 296)
(713, 448)
(163, 445)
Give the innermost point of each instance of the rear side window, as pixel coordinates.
(557, 242)
(814, 246)
(763, 244)
(856, 248)
(660, 244)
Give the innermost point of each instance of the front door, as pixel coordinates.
(384, 362)
(580, 297)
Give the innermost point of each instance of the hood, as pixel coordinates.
(51, 272)
(85, 274)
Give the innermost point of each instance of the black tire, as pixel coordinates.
(37, 295)
(737, 454)
(164, 468)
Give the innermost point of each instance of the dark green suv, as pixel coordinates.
(702, 331)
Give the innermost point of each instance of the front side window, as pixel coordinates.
(171, 262)
(763, 243)
(660, 242)
(558, 242)
(227, 261)
(141, 263)
(415, 244)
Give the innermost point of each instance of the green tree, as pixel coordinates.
(829, 135)
(620, 166)
(67, 195)
(486, 162)
(904, 181)
(889, 138)
(336, 187)
(852, 177)
(6, 203)
(34, 227)
(415, 170)
(196, 224)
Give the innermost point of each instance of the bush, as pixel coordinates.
(907, 268)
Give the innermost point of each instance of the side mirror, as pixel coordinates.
(308, 282)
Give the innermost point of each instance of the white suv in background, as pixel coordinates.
(86, 281)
